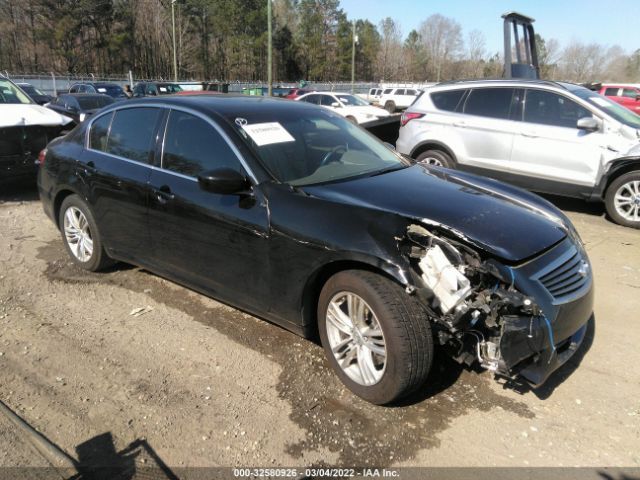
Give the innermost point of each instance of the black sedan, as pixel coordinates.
(35, 94)
(79, 106)
(288, 211)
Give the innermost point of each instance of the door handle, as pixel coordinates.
(163, 194)
(529, 134)
(460, 124)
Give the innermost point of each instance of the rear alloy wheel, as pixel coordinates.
(80, 235)
(437, 158)
(390, 106)
(376, 337)
(623, 200)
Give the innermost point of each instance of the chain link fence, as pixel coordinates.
(53, 84)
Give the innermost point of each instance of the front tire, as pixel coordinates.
(390, 106)
(623, 200)
(376, 337)
(436, 158)
(81, 236)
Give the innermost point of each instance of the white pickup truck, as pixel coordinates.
(394, 99)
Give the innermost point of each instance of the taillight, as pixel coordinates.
(408, 116)
(41, 156)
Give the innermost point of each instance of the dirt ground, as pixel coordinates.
(200, 384)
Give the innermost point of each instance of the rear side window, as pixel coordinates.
(448, 100)
(387, 91)
(490, 102)
(311, 99)
(548, 108)
(131, 134)
(611, 92)
(192, 146)
(100, 132)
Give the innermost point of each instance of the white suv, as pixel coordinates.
(548, 137)
(393, 99)
(350, 106)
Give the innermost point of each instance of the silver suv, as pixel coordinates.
(548, 137)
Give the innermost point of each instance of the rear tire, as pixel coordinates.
(81, 236)
(623, 200)
(389, 320)
(390, 106)
(436, 158)
(352, 119)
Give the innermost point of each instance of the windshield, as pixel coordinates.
(94, 102)
(9, 93)
(308, 146)
(609, 107)
(352, 101)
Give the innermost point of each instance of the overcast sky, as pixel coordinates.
(607, 23)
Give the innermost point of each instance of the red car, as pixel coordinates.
(627, 95)
(296, 92)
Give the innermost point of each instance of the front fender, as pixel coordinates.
(615, 168)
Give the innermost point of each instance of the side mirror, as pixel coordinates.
(389, 146)
(335, 105)
(588, 124)
(225, 181)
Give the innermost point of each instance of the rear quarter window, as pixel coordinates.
(448, 100)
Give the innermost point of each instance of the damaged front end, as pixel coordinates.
(506, 318)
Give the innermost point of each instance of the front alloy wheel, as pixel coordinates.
(623, 200)
(356, 339)
(376, 337)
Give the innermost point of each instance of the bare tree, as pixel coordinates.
(476, 52)
(389, 62)
(582, 62)
(442, 38)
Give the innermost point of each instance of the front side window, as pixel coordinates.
(490, 102)
(630, 92)
(387, 91)
(192, 146)
(131, 134)
(548, 108)
(100, 132)
(327, 100)
(411, 92)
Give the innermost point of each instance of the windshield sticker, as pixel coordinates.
(601, 101)
(102, 90)
(268, 133)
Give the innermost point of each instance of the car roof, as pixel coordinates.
(83, 95)
(503, 81)
(226, 105)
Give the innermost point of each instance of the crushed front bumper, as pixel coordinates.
(561, 283)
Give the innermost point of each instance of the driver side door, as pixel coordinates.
(216, 243)
(549, 146)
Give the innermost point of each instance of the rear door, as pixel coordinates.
(630, 98)
(214, 242)
(116, 169)
(550, 147)
(488, 126)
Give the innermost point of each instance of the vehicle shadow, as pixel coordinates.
(565, 371)
(576, 205)
(98, 459)
(23, 190)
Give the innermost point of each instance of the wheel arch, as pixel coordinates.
(317, 280)
(618, 168)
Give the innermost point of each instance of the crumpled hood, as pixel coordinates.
(504, 221)
(15, 115)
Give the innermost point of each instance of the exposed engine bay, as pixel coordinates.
(477, 311)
